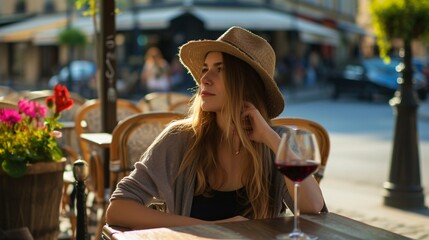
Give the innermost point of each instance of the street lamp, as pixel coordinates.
(403, 189)
(406, 20)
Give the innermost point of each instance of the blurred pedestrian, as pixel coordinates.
(154, 75)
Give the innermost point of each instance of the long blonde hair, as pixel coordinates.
(242, 84)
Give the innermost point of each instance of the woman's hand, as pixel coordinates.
(257, 128)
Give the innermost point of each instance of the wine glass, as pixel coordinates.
(298, 156)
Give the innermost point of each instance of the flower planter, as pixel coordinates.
(33, 200)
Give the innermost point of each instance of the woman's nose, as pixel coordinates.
(206, 79)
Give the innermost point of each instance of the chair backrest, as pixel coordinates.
(319, 131)
(88, 119)
(180, 107)
(131, 137)
(8, 104)
(161, 101)
(7, 93)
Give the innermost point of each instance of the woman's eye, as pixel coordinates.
(204, 70)
(219, 69)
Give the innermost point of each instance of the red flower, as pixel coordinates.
(61, 99)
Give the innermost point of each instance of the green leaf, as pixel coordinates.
(13, 168)
(405, 19)
(72, 37)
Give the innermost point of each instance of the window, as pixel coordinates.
(49, 6)
(20, 6)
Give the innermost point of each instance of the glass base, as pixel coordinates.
(296, 235)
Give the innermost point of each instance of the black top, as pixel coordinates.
(219, 205)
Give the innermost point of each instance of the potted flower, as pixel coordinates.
(32, 165)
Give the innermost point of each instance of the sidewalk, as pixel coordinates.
(364, 204)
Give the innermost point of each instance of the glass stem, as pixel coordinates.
(295, 208)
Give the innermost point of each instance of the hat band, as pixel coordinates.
(241, 50)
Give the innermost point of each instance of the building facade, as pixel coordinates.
(302, 32)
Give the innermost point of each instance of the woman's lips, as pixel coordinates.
(206, 94)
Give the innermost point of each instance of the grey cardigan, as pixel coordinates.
(155, 176)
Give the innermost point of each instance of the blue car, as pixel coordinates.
(83, 77)
(368, 78)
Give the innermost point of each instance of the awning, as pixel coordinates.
(13, 18)
(146, 20)
(261, 19)
(318, 39)
(44, 29)
(351, 27)
(49, 37)
(24, 31)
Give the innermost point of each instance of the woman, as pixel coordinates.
(154, 76)
(217, 164)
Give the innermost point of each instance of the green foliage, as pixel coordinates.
(72, 37)
(405, 19)
(29, 135)
(89, 5)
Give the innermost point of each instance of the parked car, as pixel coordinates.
(367, 78)
(83, 77)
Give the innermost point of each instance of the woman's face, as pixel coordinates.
(212, 83)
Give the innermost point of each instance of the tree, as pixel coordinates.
(406, 20)
(71, 37)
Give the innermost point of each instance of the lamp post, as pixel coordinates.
(107, 84)
(405, 20)
(403, 189)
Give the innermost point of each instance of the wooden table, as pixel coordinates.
(102, 140)
(327, 226)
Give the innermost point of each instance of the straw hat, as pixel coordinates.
(243, 44)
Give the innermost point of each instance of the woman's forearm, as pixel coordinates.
(309, 195)
(130, 214)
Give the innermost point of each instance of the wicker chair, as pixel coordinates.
(88, 120)
(161, 101)
(7, 93)
(131, 137)
(320, 132)
(8, 104)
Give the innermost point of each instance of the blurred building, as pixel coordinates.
(302, 32)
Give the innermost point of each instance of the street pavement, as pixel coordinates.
(361, 136)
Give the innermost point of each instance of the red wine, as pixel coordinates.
(298, 170)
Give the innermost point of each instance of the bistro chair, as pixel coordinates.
(319, 131)
(7, 93)
(8, 104)
(130, 139)
(162, 101)
(180, 106)
(88, 120)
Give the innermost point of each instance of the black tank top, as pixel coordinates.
(219, 205)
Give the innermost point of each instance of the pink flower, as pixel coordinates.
(56, 134)
(32, 109)
(9, 116)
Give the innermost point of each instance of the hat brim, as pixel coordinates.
(192, 56)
